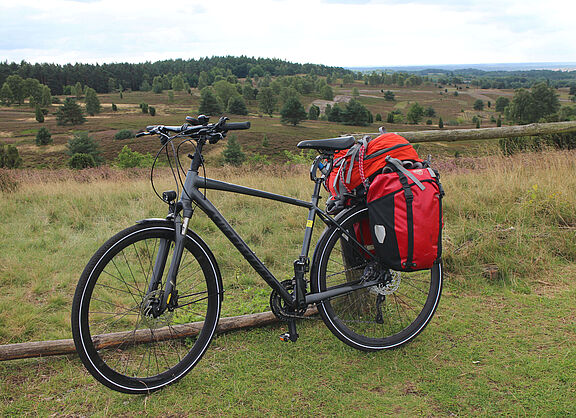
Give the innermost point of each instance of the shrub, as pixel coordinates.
(233, 152)
(9, 156)
(144, 107)
(8, 183)
(128, 158)
(378, 117)
(39, 114)
(114, 107)
(43, 137)
(80, 160)
(124, 134)
(82, 143)
(152, 111)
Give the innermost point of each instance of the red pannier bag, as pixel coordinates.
(405, 213)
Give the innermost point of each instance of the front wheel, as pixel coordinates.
(119, 341)
(378, 317)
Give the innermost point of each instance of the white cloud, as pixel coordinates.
(332, 32)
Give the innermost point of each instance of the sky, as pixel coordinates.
(347, 33)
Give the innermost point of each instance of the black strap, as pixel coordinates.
(409, 196)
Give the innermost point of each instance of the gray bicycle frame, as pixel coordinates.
(191, 194)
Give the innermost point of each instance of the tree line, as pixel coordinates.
(105, 78)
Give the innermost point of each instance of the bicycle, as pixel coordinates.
(148, 302)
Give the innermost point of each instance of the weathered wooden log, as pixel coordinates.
(450, 135)
(59, 347)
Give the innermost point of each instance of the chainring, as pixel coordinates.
(279, 307)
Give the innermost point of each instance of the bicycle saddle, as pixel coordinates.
(329, 144)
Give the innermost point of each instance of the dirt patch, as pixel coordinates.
(337, 99)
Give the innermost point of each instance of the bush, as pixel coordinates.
(128, 158)
(80, 160)
(114, 107)
(124, 134)
(82, 143)
(144, 107)
(152, 111)
(9, 157)
(7, 183)
(43, 137)
(233, 152)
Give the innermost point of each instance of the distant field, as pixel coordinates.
(18, 125)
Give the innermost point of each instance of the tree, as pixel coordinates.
(530, 106)
(92, 102)
(430, 112)
(9, 156)
(237, 106)
(478, 105)
(70, 113)
(16, 84)
(43, 137)
(178, 82)
(6, 96)
(157, 85)
(209, 103)
(225, 90)
(46, 99)
(415, 113)
(82, 143)
(144, 107)
(152, 111)
(39, 115)
(501, 104)
(327, 93)
(233, 152)
(114, 107)
(440, 123)
(334, 113)
(355, 92)
(292, 112)
(378, 117)
(313, 112)
(267, 101)
(78, 90)
(389, 96)
(355, 113)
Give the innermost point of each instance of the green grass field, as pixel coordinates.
(498, 345)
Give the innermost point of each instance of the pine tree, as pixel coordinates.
(178, 83)
(82, 143)
(293, 112)
(237, 106)
(440, 123)
(43, 137)
(39, 115)
(209, 103)
(233, 152)
(70, 113)
(313, 112)
(78, 90)
(9, 156)
(92, 102)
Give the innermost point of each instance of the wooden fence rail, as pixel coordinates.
(450, 135)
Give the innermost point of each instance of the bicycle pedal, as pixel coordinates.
(285, 337)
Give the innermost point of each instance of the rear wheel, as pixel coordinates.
(378, 317)
(118, 340)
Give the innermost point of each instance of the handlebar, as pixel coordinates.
(217, 129)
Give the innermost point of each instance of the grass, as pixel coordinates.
(502, 345)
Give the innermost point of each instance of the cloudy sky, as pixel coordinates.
(332, 32)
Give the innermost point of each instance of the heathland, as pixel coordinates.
(501, 342)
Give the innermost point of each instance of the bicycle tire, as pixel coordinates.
(357, 318)
(109, 299)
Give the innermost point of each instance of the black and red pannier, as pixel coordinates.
(405, 213)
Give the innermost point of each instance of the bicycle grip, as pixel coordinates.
(236, 126)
